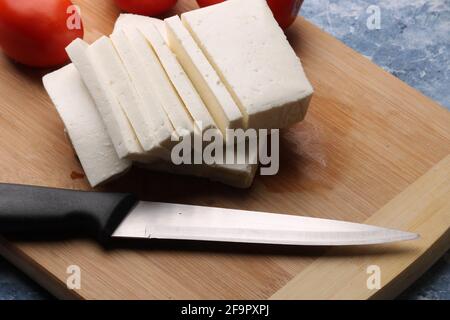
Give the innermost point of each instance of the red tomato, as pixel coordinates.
(36, 33)
(205, 3)
(146, 7)
(285, 11)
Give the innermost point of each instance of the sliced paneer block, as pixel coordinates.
(84, 125)
(127, 20)
(204, 78)
(116, 121)
(152, 109)
(179, 79)
(250, 52)
(108, 61)
(171, 102)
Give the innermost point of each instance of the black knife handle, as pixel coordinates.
(47, 211)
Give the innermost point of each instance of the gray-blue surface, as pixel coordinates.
(412, 42)
(410, 39)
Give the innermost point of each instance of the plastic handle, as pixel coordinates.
(47, 211)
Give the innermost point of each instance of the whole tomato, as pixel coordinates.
(205, 3)
(146, 7)
(36, 33)
(285, 11)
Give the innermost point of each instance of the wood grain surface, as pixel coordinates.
(371, 149)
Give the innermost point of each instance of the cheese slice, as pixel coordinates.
(203, 76)
(108, 61)
(151, 108)
(179, 79)
(252, 56)
(171, 102)
(84, 126)
(128, 20)
(119, 128)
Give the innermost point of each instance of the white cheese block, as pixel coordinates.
(84, 125)
(152, 110)
(93, 144)
(250, 52)
(108, 61)
(114, 117)
(171, 102)
(128, 20)
(205, 79)
(179, 79)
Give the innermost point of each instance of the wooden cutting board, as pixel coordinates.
(371, 149)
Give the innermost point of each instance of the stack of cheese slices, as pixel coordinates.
(124, 98)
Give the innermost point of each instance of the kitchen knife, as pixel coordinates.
(39, 210)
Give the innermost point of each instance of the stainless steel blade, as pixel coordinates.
(156, 220)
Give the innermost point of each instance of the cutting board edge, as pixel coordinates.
(34, 271)
(412, 266)
(409, 275)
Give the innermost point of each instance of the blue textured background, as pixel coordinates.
(413, 43)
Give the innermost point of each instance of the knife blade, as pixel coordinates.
(41, 210)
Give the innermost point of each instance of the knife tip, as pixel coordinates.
(408, 236)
